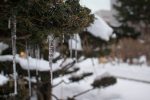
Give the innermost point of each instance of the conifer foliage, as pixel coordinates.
(41, 17)
(132, 15)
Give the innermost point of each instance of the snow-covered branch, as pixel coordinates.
(34, 64)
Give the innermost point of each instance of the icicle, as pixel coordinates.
(54, 48)
(38, 52)
(63, 38)
(42, 57)
(37, 55)
(29, 75)
(92, 59)
(51, 53)
(76, 51)
(31, 50)
(56, 44)
(71, 38)
(9, 23)
(13, 34)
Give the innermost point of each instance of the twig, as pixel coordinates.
(68, 65)
(83, 92)
(56, 97)
(63, 62)
(60, 83)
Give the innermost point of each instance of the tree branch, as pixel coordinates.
(81, 93)
(55, 97)
(60, 83)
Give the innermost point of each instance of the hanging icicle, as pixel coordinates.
(31, 50)
(51, 54)
(29, 75)
(9, 23)
(13, 35)
(56, 41)
(71, 39)
(37, 56)
(76, 51)
(63, 40)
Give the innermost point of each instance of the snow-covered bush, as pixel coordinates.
(104, 80)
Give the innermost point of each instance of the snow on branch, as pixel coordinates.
(34, 64)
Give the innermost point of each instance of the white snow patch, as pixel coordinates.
(3, 80)
(142, 59)
(113, 35)
(32, 79)
(56, 54)
(122, 90)
(3, 47)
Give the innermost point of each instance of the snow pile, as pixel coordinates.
(3, 80)
(100, 29)
(75, 42)
(142, 59)
(3, 47)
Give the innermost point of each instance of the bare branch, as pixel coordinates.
(61, 83)
(81, 93)
(55, 97)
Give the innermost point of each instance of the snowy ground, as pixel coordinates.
(133, 82)
(123, 90)
(133, 89)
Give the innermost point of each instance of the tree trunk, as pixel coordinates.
(45, 88)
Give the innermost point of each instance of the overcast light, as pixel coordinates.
(96, 5)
